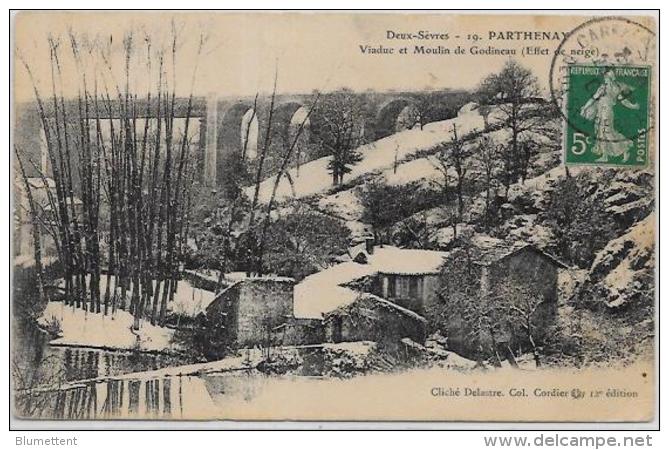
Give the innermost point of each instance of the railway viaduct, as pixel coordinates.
(229, 125)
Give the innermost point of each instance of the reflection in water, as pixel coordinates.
(83, 364)
(170, 397)
(32, 357)
(36, 365)
(120, 398)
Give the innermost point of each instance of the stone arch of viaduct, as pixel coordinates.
(223, 122)
(231, 134)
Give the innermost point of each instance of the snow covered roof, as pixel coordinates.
(490, 250)
(323, 291)
(400, 261)
(232, 277)
(384, 302)
(242, 276)
(358, 253)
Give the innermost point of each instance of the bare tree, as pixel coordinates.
(514, 92)
(486, 156)
(108, 141)
(443, 185)
(465, 307)
(35, 228)
(452, 165)
(340, 129)
(458, 160)
(521, 306)
(252, 246)
(287, 156)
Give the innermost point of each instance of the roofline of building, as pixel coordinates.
(378, 299)
(250, 279)
(424, 272)
(532, 247)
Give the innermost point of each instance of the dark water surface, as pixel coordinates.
(36, 364)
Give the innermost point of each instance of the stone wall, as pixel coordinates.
(262, 306)
(300, 332)
(525, 271)
(372, 319)
(248, 311)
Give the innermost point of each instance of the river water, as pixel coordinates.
(84, 384)
(69, 383)
(35, 363)
(163, 398)
(87, 384)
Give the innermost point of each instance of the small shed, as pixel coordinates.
(408, 277)
(249, 310)
(500, 271)
(371, 318)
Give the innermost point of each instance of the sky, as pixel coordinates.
(309, 51)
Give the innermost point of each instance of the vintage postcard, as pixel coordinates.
(343, 216)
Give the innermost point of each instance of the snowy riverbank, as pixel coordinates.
(79, 328)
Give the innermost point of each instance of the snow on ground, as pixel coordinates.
(569, 282)
(86, 329)
(345, 204)
(541, 183)
(422, 169)
(444, 236)
(537, 187)
(425, 170)
(527, 228)
(323, 291)
(622, 259)
(188, 299)
(314, 177)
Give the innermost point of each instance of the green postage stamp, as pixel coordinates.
(607, 114)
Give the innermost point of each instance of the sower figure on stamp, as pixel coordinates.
(599, 107)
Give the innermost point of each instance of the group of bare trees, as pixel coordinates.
(260, 214)
(338, 122)
(465, 167)
(493, 165)
(122, 168)
(515, 94)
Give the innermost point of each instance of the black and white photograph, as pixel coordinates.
(333, 216)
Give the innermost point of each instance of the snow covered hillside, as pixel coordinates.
(314, 177)
(621, 271)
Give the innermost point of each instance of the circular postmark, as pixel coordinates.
(600, 80)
